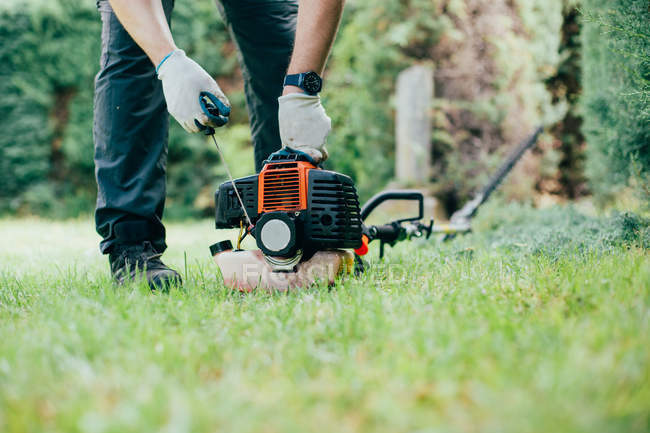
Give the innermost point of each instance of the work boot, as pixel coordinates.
(134, 256)
(130, 261)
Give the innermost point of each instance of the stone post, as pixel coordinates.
(414, 96)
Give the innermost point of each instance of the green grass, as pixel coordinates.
(539, 322)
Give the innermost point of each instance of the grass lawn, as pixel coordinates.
(538, 322)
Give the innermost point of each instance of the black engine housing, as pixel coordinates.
(331, 219)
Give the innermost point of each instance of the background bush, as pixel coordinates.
(49, 54)
(46, 86)
(616, 63)
(492, 60)
(501, 68)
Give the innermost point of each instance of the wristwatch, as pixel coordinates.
(310, 82)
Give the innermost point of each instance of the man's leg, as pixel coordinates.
(130, 132)
(264, 31)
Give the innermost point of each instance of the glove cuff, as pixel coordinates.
(174, 53)
(298, 96)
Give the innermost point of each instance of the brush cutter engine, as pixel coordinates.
(295, 209)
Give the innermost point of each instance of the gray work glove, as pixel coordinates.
(304, 125)
(183, 80)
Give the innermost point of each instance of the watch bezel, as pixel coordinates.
(312, 83)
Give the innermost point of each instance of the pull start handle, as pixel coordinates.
(216, 111)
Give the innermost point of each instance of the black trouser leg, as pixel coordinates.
(264, 31)
(130, 133)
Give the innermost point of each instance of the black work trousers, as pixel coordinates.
(131, 120)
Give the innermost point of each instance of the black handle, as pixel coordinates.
(386, 233)
(398, 194)
(216, 111)
(469, 209)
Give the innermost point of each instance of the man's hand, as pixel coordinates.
(183, 80)
(304, 125)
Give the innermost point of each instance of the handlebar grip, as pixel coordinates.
(403, 194)
(386, 232)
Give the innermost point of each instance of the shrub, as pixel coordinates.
(616, 95)
(492, 59)
(49, 55)
(491, 62)
(46, 82)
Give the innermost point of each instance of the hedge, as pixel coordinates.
(49, 54)
(493, 60)
(616, 94)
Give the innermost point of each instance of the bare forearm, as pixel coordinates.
(145, 21)
(318, 22)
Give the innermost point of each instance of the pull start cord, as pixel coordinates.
(232, 181)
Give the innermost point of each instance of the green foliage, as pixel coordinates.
(48, 58)
(565, 84)
(501, 68)
(44, 64)
(491, 62)
(616, 95)
(373, 46)
(436, 338)
(558, 231)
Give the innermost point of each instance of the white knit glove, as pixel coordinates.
(304, 125)
(182, 81)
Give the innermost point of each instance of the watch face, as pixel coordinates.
(312, 83)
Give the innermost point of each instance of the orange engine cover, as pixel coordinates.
(283, 186)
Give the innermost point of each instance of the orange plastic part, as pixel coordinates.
(283, 186)
(363, 249)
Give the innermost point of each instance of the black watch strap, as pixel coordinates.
(310, 82)
(293, 80)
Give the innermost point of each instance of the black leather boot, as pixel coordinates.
(132, 257)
